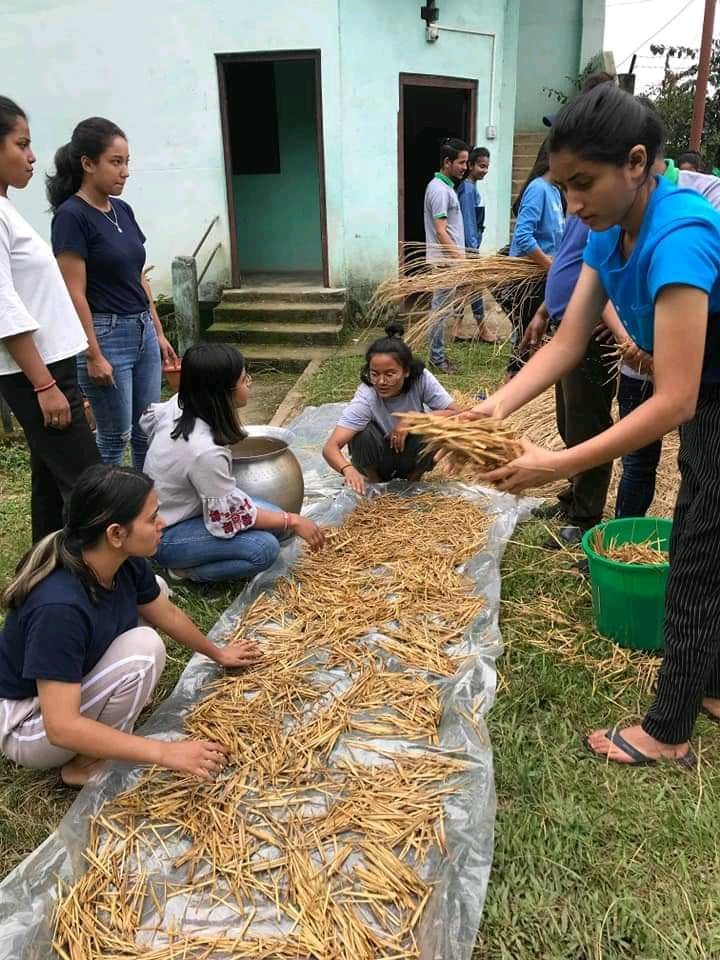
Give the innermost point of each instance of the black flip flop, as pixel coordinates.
(638, 758)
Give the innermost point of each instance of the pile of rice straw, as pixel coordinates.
(510, 278)
(306, 851)
(472, 446)
(645, 552)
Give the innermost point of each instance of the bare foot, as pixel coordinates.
(486, 336)
(650, 747)
(78, 771)
(712, 706)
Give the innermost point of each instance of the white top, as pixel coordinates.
(193, 477)
(425, 393)
(33, 295)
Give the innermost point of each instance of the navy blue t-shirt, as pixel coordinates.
(565, 268)
(114, 260)
(60, 634)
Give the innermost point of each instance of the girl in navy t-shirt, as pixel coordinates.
(101, 252)
(76, 666)
(654, 251)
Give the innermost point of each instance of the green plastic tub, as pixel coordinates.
(628, 598)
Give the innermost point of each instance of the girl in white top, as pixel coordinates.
(40, 336)
(214, 530)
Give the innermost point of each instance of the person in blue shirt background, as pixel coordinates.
(473, 214)
(538, 231)
(100, 250)
(654, 251)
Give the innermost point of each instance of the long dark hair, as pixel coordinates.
(538, 169)
(394, 345)
(103, 495)
(208, 377)
(90, 139)
(9, 113)
(604, 125)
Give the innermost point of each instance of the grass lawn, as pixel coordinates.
(591, 862)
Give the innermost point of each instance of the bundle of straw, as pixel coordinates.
(645, 552)
(473, 446)
(510, 279)
(617, 353)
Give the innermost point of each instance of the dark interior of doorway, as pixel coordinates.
(430, 114)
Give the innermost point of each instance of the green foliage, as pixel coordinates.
(674, 97)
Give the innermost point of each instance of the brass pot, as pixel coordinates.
(265, 467)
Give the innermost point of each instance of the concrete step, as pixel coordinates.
(298, 334)
(286, 294)
(267, 357)
(535, 137)
(261, 311)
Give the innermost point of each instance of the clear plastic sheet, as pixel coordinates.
(450, 923)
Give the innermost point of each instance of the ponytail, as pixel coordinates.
(102, 496)
(90, 139)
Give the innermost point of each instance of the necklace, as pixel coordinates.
(112, 219)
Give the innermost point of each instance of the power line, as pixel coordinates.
(660, 30)
(628, 3)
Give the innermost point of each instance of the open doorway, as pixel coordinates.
(431, 109)
(272, 133)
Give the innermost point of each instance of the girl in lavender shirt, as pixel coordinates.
(393, 381)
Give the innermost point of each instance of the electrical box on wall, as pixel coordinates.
(490, 132)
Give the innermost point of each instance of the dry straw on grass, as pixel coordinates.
(511, 278)
(305, 854)
(645, 553)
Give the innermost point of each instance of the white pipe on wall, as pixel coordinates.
(493, 38)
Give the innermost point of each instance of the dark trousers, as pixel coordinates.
(583, 408)
(691, 666)
(639, 468)
(57, 457)
(370, 449)
(520, 304)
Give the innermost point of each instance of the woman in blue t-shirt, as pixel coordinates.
(537, 235)
(393, 381)
(76, 666)
(654, 251)
(101, 252)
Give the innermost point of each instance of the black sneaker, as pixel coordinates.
(444, 367)
(565, 539)
(550, 511)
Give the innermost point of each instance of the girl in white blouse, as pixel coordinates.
(40, 337)
(214, 531)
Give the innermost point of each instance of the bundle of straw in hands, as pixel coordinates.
(618, 355)
(472, 447)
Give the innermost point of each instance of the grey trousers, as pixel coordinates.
(114, 693)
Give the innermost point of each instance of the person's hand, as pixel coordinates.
(533, 336)
(169, 357)
(201, 758)
(308, 530)
(100, 370)
(533, 468)
(55, 408)
(398, 438)
(355, 480)
(603, 334)
(238, 653)
(638, 360)
(486, 408)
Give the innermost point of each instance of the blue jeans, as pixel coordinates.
(436, 337)
(190, 546)
(639, 468)
(131, 345)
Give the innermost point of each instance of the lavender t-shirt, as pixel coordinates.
(367, 404)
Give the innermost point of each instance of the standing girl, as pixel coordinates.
(602, 148)
(101, 253)
(537, 235)
(40, 335)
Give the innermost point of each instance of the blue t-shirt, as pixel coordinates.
(540, 220)
(467, 196)
(114, 260)
(60, 634)
(679, 243)
(565, 269)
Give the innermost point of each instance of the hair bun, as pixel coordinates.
(395, 329)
